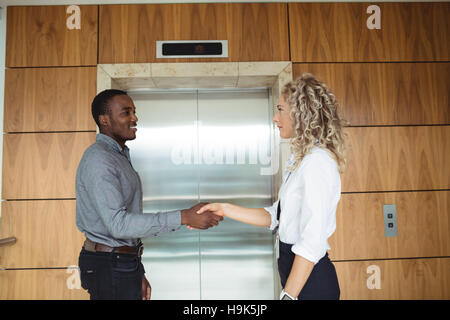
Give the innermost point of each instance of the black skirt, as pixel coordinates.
(322, 283)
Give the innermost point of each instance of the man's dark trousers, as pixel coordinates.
(111, 276)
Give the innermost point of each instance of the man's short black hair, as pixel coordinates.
(101, 102)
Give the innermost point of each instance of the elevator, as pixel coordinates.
(209, 145)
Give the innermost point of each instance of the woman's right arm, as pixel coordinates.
(254, 216)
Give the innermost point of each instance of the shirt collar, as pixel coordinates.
(290, 161)
(111, 143)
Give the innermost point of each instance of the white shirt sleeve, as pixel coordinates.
(314, 196)
(273, 215)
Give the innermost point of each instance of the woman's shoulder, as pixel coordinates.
(318, 158)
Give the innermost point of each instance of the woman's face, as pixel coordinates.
(283, 120)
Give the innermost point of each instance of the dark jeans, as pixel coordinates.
(111, 276)
(322, 283)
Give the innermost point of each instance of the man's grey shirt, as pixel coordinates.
(109, 198)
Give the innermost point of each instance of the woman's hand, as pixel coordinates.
(193, 220)
(254, 216)
(216, 208)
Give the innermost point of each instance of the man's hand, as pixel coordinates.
(199, 221)
(146, 289)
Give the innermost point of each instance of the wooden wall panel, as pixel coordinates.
(400, 279)
(49, 99)
(423, 226)
(255, 32)
(337, 32)
(387, 93)
(42, 165)
(46, 232)
(37, 36)
(259, 32)
(39, 285)
(397, 158)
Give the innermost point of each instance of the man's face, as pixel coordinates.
(120, 122)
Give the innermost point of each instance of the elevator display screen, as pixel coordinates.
(192, 49)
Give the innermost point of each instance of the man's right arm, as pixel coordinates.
(104, 190)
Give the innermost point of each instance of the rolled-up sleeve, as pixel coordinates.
(313, 193)
(104, 189)
(273, 215)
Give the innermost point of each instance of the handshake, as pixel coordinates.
(201, 216)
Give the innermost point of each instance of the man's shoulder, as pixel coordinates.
(98, 153)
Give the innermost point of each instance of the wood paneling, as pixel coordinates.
(423, 226)
(40, 285)
(259, 32)
(387, 93)
(37, 36)
(337, 32)
(46, 232)
(42, 165)
(49, 99)
(255, 32)
(397, 158)
(400, 279)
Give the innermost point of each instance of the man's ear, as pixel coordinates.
(104, 120)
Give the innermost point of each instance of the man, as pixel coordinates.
(109, 206)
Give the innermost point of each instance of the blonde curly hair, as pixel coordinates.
(316, 121)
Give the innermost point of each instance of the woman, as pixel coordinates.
(305, 213)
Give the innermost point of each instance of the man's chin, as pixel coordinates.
(132, 134)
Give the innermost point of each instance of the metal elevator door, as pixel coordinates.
(206, 146)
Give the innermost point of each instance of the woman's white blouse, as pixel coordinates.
(309, 197)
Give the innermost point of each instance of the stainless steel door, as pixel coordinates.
(171, 261)
(208, 146)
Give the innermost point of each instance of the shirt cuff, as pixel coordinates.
(273, 215)
(300, 250)
(173, 220)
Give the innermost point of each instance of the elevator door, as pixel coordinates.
(206, 146)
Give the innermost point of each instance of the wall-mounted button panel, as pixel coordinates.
(390, 220)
